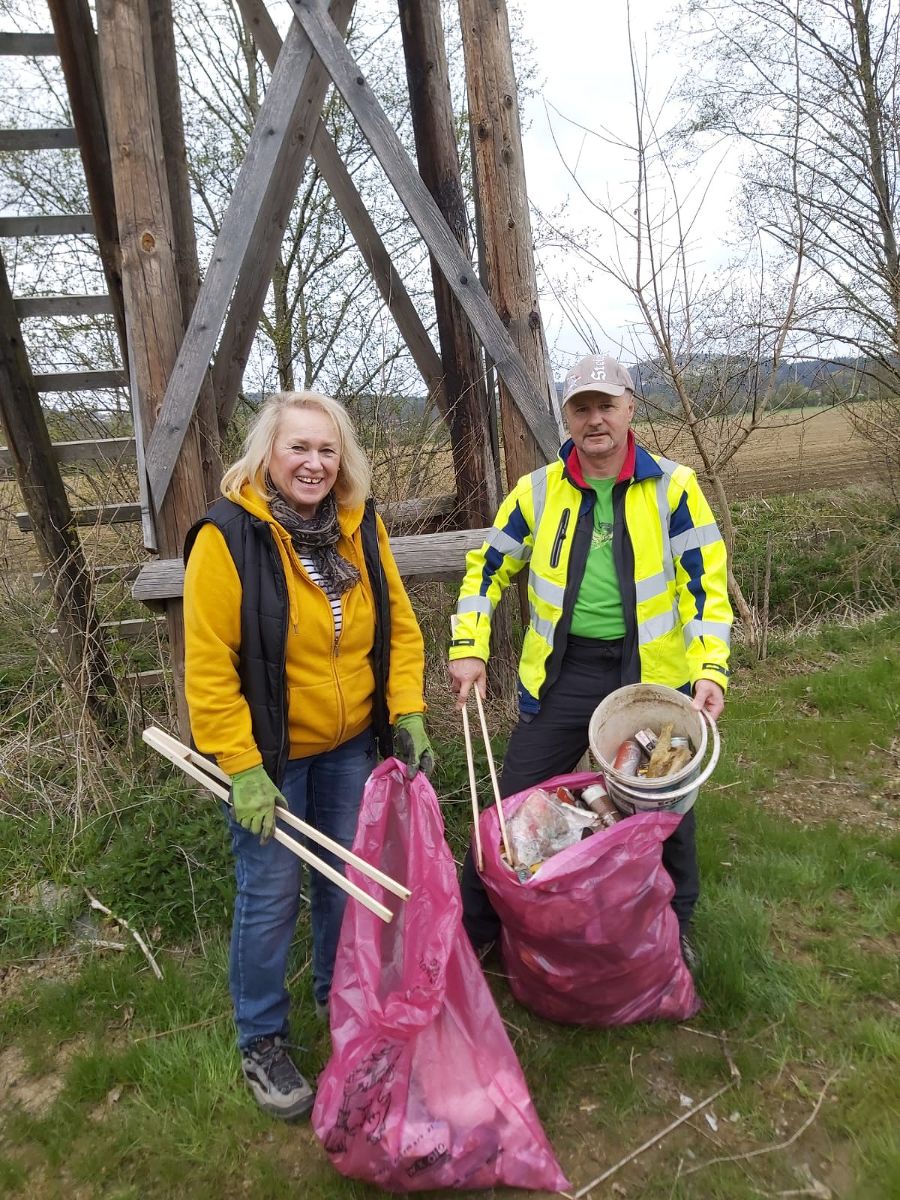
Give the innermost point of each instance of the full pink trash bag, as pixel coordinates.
(423, 1090)
(591, 939)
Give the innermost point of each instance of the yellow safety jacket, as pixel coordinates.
(670, 561)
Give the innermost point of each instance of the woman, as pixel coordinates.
(301, 649)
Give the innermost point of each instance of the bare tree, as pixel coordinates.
(810, 92)
(322, 307)
(714, 339)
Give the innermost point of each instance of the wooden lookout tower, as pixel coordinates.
(185, 342)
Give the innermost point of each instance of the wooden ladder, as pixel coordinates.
(102, 451)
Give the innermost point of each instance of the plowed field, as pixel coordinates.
(796, 451)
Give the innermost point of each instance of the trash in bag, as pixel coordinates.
(543, 825)
(591, 938)
(423, 1090)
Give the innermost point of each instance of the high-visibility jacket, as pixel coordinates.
(669, 556)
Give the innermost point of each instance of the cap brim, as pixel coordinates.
(592, 387)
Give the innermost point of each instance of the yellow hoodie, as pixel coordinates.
(330, 685)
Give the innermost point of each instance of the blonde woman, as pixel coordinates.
(302, 651)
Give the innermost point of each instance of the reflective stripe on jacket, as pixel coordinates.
(669, 555)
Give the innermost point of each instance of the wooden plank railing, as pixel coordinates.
(419, 558)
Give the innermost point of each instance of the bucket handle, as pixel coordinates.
(694, 783)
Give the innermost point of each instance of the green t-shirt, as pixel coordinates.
(598, 606)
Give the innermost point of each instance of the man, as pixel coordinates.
(627, 583)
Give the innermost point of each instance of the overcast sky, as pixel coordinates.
(583, 72)
(581, 49)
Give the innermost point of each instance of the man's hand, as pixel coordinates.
(708, 698)
(463, 673)
(412, 745)
(254, 796)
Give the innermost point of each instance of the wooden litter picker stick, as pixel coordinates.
(493, 770)
(215, 780)
(473, 788)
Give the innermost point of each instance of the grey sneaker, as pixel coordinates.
(275, 1082)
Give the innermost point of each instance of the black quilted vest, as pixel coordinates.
(264, 626)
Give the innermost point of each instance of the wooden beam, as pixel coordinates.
(378, 259)
(437, 155)
(420, 557)
(110, 451)
(150, 278)
(52, 226)
(130, 630)
(403, 514)
(28, 45)
(73, 27)
(256, 200)
(89, 515)
(63, 306)
(168, 92)
(418, 202)
(80, 381)
(124, 572)
(262, 253)
(147, 679)
(421, 511)
(505, 224)
(41, 485)
(353, 209)
(15, 140)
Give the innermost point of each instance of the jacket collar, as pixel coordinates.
(349, 519)
(639, 463)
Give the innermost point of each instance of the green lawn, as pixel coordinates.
(115, 1085)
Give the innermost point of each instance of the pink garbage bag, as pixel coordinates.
(591, 939)
(423, 1090)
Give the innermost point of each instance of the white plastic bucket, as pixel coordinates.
(652, 705)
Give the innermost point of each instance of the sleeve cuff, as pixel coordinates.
(231, 764)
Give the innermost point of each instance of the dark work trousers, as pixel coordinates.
(552, 743)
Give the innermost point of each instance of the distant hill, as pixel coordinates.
(798, 381)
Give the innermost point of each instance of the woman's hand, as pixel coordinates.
(463, 673)
(412, 746)
(254, 796)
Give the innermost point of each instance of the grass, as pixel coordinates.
(119, 1086)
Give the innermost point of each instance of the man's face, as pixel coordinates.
(599, 427)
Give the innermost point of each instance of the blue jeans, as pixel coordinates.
(325, 790)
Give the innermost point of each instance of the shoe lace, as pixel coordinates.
(278, 1065)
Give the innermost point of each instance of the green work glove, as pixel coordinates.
(411, 744)
(254, 796)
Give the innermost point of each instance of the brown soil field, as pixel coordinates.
(797, 451)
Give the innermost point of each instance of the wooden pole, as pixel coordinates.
(312, 34)
(168, 92)
(150, 276)
(438, 161)
(506, 226)
(77, 46)
(41, 484)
